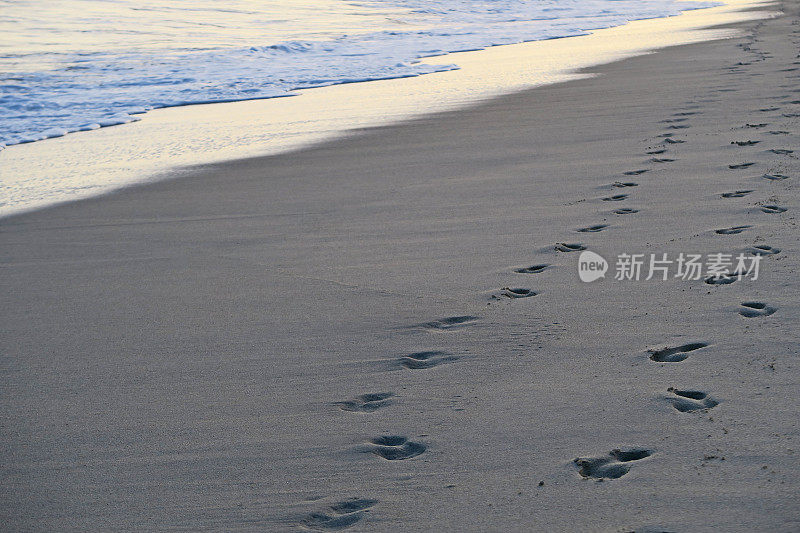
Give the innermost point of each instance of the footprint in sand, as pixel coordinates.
(444, 324)
(740, 166)
(569, 247)
(623, 184)
(779, 132)
(722, 279)
(737, 194)
(670, 140)
(773, 209)
(615, 198)
(533, 269)
(676, 354)
(514, 293)
(673, 120)
(613, 466)
(625, 211)
(735, 230)
(395, 447)
(768, 109)
(756, 309)
(423, 360)
(781, 151)
(678, 127)
(755, 126)
(775, 177)
(339, 516)
(745, 143)
(636, 172)
(367, 403)
(593, 229)
(686, 113)
(687, 401)
(661, 160)
(762, 249)
(656, 152)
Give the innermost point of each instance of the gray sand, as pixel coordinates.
(193, 354)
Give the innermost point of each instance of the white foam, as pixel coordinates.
(139, 60)
(71, 167)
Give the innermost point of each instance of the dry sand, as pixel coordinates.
(193, 354)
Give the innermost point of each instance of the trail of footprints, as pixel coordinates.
(618, 462)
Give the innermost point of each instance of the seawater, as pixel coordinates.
(76, 65)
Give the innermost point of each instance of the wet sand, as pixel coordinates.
(326, 339)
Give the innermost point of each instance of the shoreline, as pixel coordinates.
(232, 350)
(168, 142)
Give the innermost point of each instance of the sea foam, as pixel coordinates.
(152, 54)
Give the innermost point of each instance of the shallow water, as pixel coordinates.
(76, 65)
(168, 140)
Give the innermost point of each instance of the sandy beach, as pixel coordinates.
(387, 332)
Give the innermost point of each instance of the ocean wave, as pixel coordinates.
(55, 90)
